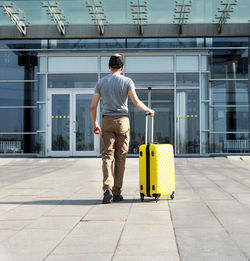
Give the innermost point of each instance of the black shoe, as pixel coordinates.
(117, 198)
(107, 196)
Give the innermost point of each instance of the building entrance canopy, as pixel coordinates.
(123, 18)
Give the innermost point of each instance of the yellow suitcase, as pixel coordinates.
(156, 167)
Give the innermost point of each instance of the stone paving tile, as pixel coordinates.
(6, 207)
(231, 186)
(69, 210)
(242, 240)
(24, 212)
(110, 212)
(30, 244)
(54, 223)
(182, 183)
(58, 215)
(216, 177)
(81, 257)
(234, 216)
(147, 258)
(227, 207)
(192, 215)
(204, 244)
(14, 224)
(199, 181)
(235, 223)
(147, 240)
(186, 195)
(5, 234)
(23, 191)
(91, 237)
(212, 194)
(243, 198)
(141, 213)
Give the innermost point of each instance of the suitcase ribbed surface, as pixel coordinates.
(162, 168)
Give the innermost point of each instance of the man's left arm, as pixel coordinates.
(95, 100)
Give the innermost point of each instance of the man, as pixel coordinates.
(114, 89)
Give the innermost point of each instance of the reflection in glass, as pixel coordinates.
(155, 80)
(204, 86)
(188, 124)
(60, 122)
(105, 64)
(157, 64)
(165, 43)
(204, 63)
(229, 64)
(18, 65)
(230, 42)
(187, 80)
(229, 143)
(42, 64)
(204, 116)
(104, 74)
(41, 87)
(74, 64)
(230, 119)
(187, 63)
(163, 104)
(87, 44)
(137, 123)
(18, 120)
(20, 44)
(42, 116)
(230, 93)
(83, 123)
(18, 93)
(40, 144)
(22, 143)
(85, 80)
(204, 142)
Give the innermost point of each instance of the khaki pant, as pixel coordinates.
(114, 148)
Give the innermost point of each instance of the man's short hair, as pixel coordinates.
(116, 61)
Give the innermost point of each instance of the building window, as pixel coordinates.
(84, 80)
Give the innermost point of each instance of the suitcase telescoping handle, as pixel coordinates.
(152, 130)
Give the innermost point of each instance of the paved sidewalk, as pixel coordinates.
(50, 209)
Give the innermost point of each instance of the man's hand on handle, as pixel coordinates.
(151, 112)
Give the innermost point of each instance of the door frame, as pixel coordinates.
(72, 137)
(96, 150)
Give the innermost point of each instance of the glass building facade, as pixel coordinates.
(199, 88)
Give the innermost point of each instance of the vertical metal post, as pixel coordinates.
(175, 109)
(200, 103)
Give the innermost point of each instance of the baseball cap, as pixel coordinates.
(116, 61)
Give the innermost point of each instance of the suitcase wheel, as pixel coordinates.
(157, 196)
(142, 197)
(172, 195)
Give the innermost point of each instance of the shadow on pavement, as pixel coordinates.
(55, 202)
(82, 202)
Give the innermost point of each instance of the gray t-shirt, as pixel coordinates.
(114, 90)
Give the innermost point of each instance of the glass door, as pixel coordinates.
(162, 101)
(137, 123)
(59, 124)
(70, 125)
(83, 138)
(187, 122)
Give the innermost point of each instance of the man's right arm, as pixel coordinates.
(93, 107)
(138, 103)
